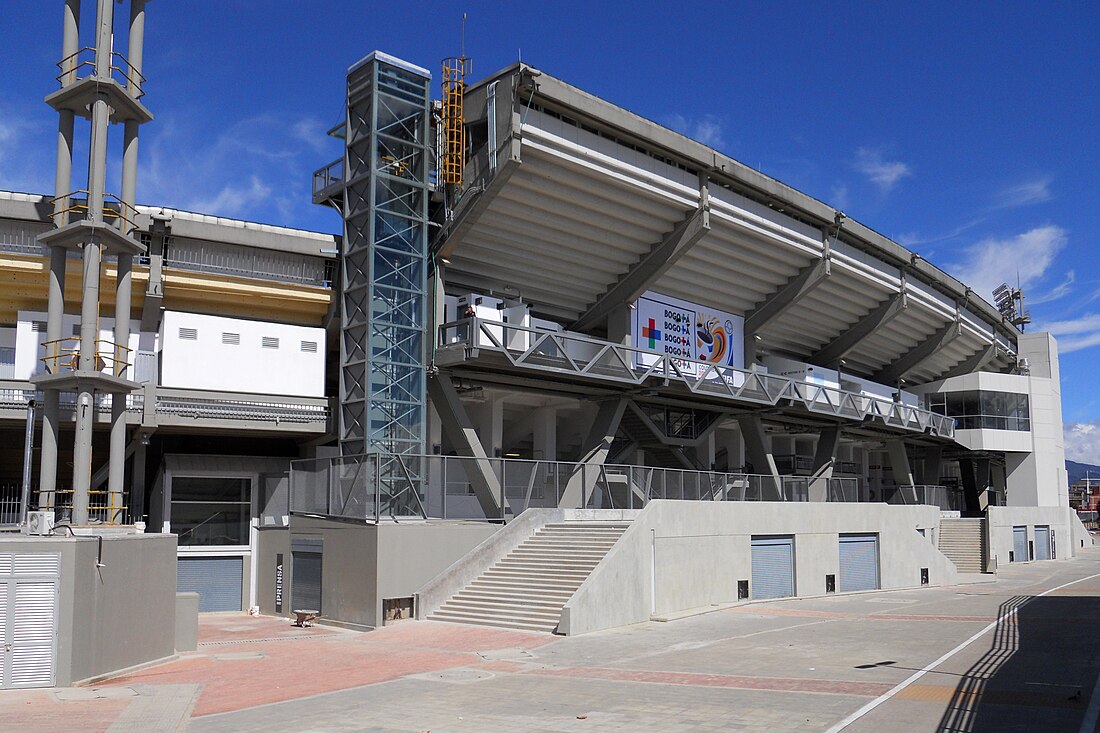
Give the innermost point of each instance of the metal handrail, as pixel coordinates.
(72, 63)
(56, 359)
(126, 212)
(351, 487)
(550, 351)
(329, 175)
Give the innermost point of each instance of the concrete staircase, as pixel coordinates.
(528, 587)
(964, 543)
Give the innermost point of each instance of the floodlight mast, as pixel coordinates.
(1010, 303)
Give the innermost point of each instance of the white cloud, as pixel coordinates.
(1024, 194)
(1083, 442)
(706, 130)
(1075, 334)
(26, 159)
(257, 168)
(841, 199)
(993, 261)
(235, 200)
(883, 173)
(1059, 291)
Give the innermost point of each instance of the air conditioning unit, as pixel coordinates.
(39, 523)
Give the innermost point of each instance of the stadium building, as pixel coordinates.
(564, 369)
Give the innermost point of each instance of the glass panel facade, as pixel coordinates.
(983, 410)
(211, 510)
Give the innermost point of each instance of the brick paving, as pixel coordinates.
(792, 665)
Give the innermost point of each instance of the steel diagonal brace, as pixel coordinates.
(660, 258)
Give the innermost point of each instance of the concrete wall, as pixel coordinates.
(409, 555)
(349, 569)
(364, 563)
(270, 543)
(112, 617)
(682, 555)
(208, 363)
(1063, 521)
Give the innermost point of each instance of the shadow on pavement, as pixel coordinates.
(1038, 673)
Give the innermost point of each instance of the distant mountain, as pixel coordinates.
(1077, 471)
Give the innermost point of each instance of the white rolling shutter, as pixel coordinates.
(29, 589)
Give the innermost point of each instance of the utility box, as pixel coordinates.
(39, 523)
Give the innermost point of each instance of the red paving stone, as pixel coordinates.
(38, 711)
(778, 684)
(332, 661)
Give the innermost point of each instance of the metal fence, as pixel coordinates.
(100, 508)
(945, 497)
(588, 358)
(347, 487)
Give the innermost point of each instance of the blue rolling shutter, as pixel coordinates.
(858, 562)
(772, 567)
(1042, 542)
(217, 580)
(1019, 544)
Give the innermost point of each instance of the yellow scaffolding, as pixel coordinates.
(453, 155)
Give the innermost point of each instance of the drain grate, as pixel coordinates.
(203, 644)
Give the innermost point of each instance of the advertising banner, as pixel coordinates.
(677, 328)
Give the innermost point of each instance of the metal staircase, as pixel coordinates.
(528, 587)
(963, 541)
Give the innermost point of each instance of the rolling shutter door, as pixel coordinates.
(1019, 544)
(858, 562)
(305, 579)
(772, 567)
(1042, 542)
(217, 580)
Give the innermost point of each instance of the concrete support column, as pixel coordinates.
(63, 175)
(899, 465)
(828, 444)
(619, 324)
(971, 490)
(596, 447)
(137, 483)
(544, 433)
(117, 472)
(89, 299)
(933, 466)
(730, 441)
(759, 457)
(490, 426)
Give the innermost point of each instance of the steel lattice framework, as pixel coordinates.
(384, 264)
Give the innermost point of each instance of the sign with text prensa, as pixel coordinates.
(279, 583)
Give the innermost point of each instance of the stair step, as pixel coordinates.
(509, 610)
(494, 622)
(503, 612)
(517, 594)
(529, 586)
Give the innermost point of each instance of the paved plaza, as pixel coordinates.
(1018, 654)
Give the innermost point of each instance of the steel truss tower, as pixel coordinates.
(104, 87)
(384, 259)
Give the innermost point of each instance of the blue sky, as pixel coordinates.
(965, 131)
